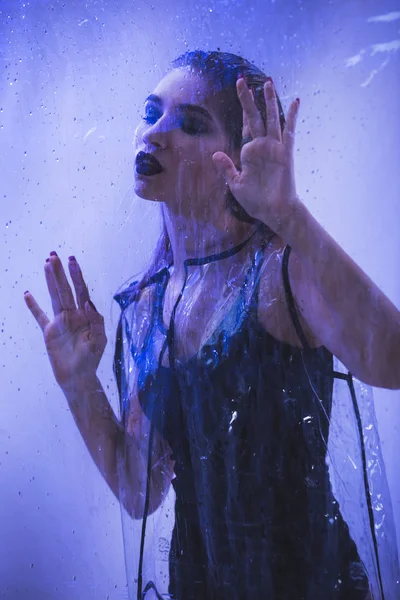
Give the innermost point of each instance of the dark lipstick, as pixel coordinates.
(147, 164)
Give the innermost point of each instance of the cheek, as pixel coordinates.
(198, 166)
(201, 156)
(198, 173)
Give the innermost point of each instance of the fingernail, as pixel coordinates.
(298, 100)
(47, 260)
(27, 292)
(53, 253)
(72, 258)
(92, 305)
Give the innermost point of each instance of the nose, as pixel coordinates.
(156, 134)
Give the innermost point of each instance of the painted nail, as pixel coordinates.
(27, 292)
(92, 305)
(298, 100)
(53, 253)
(47, 260)
(72, 258)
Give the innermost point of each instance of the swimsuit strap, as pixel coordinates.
(290, 299)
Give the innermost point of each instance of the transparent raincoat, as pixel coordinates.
(278, 483)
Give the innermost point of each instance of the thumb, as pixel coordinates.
(226, 167)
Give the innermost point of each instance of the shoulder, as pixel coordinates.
(135, 302)
(126, 296)
(139, 290)
(273, 307)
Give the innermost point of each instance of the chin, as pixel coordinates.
(146, 192)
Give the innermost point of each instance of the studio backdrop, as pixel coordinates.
(74, 80)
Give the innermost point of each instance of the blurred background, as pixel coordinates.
(74, 76)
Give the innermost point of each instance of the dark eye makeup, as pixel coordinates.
(189, 124)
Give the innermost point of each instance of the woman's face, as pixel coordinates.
(181, 129)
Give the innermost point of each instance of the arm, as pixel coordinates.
(345, 310)
(341, 305)
(121, 457)
(75, 341)
(100, 429)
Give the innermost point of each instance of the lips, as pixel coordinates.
(147, 164)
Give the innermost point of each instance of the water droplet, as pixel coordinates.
(233, 418)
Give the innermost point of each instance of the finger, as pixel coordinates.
(39, 315)
(253, 116)
(273, 124)
(96, 321)
(64, 289)
(246, 128)
(53, 291)
(290, 125)
(225, 165)
(81, 289)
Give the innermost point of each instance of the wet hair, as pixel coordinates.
(221, 70)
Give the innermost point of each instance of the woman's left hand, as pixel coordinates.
(265, 186)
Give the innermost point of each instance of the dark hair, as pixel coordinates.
(221, 69)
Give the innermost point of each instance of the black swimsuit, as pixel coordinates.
(247, 420)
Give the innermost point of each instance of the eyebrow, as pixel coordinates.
(192, 107)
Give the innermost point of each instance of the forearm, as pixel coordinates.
(109, 443)
(364, 315)
(98, 425)
(133, 474)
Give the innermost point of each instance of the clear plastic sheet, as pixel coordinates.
(359, 481)
(263, 502)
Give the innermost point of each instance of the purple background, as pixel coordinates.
(73, 79)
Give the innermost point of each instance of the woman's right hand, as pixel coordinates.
(75, 339)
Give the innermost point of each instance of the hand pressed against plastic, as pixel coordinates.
(75, 339)
(265, 185)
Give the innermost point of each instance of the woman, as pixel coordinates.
(224, 348)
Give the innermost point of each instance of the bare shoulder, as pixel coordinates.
(273, 310)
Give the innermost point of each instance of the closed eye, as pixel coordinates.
(193, 126)
(149, 119)
(151, 116)
(188, 124)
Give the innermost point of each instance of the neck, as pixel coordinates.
(193, 239)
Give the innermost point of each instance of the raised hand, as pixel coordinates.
(75, 339)
(265, 185)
